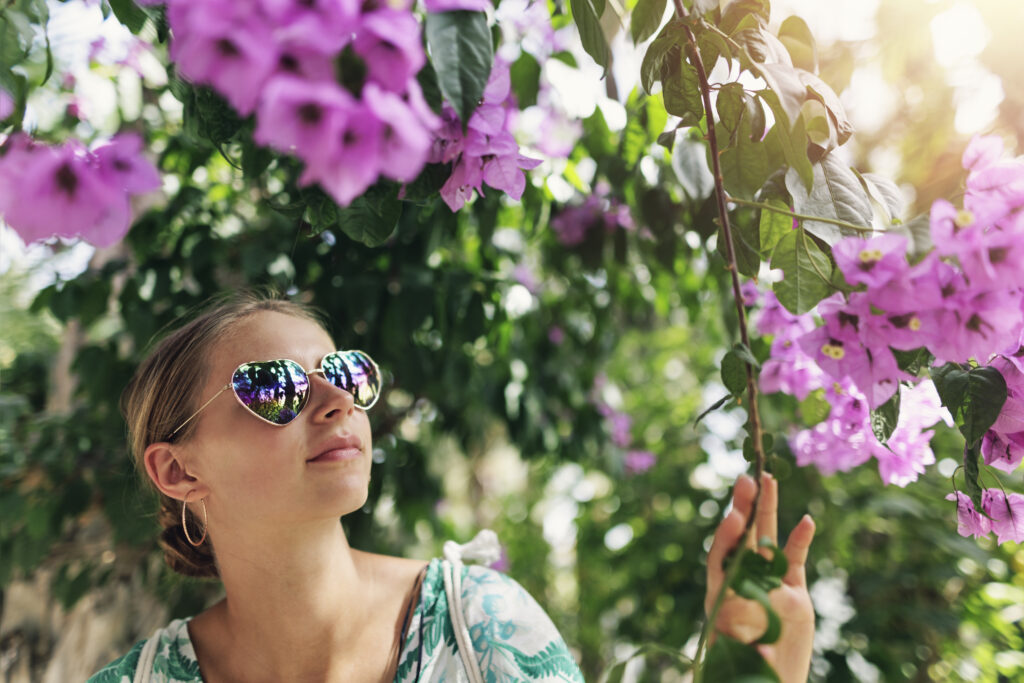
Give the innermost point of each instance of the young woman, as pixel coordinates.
(252, 427)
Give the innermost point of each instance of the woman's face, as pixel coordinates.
(260, 474)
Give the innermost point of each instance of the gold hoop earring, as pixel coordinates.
(184, 526)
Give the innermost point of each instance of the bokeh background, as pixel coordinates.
(545, 359)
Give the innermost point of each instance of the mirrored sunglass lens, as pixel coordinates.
(356, 373)
(275, 390)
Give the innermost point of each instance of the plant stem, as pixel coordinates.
(730, 253)
(801, 216)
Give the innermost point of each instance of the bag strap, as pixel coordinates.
(485, 548)
(144, 668)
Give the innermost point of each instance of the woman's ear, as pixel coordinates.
(166, 467)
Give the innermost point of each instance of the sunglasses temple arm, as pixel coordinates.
(192, 416)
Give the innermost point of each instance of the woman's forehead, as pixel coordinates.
(269, 335)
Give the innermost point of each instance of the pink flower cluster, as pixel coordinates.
(70, 191)
(487, 152)
(845, 439)
(278, 58)
(597, 211)
(963, 301)
(1005, 515)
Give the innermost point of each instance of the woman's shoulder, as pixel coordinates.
(510, 631)
(121, 668)
(170, 657)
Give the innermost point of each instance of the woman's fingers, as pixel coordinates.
(731, 528)
(767, 511)
(744, 620)
(796, 551)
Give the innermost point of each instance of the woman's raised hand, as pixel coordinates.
(745, 620)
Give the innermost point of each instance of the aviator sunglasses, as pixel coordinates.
(276, 391)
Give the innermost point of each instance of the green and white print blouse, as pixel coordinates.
(513, 639)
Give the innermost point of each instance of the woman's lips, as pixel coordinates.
(338, 455)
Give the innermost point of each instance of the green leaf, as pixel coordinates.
(773, 227)
(886, 193)
(823, 92)
(746, 245)
(525, 77)
(16, 36)
(885, 417)
(745, 165)
(730, 105)
(974, 396)
(800, 43)
(461, 52)
(588, 21)
(714, 406)
(815, 118)
(681, 89)
(836, 194)
(806, 270)
(730, 661)
(814, 408)
(734, 373)
(972, 472)
(646, 18)
(912, 361)
(650, 68)
(784, 82)
(129, 14)
(371, 217)
(792, 142)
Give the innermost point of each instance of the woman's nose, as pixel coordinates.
(331, 399)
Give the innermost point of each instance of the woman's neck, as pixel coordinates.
(303, 607)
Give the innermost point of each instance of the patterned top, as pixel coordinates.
(513, 639)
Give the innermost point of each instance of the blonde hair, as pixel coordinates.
(157, 400)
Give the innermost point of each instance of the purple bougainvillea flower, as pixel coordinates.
(6, 104)
(1007, 513)
(405, 142)
(413, 96)
(215, 44)
(122, 165)
(303, 117)
(499, 83)
(1003, 451)
(905, 459)
(970, 522)
(298, 58)
(503, 173)
(977, 326)
(556, 335)
(466, 176)
(789, 369)
(872, 262)
(488, 119)
(982, 151)
(355, 160)
(325, 25)
(450, 5)
(953, 230)
(57, 192)
(774, 318)
(997, 264)
(637, 462)
(390, 43)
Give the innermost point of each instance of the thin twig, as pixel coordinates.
(752, 412)
(800, 216)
